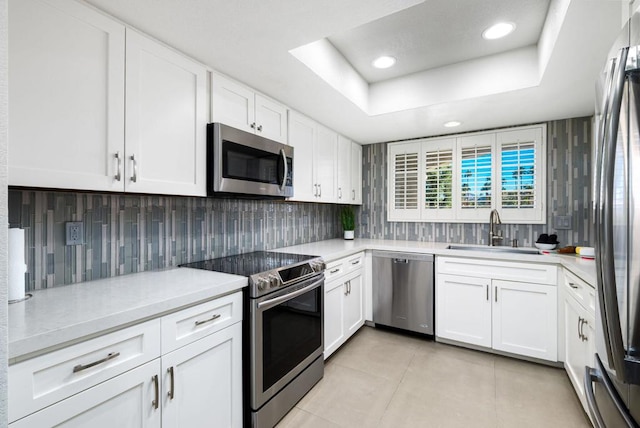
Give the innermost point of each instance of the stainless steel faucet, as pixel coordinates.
(494, 218)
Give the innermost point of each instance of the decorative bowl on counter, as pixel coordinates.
(544, 246)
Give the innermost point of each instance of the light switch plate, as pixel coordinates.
(562, 222)
(75, 232)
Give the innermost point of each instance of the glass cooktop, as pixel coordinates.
(249, 264)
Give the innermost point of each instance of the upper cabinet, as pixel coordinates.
(69, 128)
(462, 178)
(66, 97)
(239, 106)
(166, 120)
(349, 172)
(315, 174)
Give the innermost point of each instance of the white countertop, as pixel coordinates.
(58, 315)
(334, 249)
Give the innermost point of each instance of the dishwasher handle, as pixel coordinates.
(405, 261)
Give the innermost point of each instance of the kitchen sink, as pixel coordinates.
(488, 249)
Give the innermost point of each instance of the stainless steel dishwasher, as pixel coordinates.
(403, 290)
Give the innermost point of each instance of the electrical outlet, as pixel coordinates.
(75, 232)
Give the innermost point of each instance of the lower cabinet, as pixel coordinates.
(343, 304)
(505, 315)
(122, 380)
(579, 332)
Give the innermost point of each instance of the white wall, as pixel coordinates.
(4, 221)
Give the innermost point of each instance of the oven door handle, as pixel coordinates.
(277, 300)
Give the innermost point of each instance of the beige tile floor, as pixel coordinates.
(385, 379)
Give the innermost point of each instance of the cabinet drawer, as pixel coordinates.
(194, 323)
(496, 269)
(580, 290)
(49, 378)
(334, 269)
(353, 262)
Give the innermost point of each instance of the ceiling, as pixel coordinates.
(315, 57)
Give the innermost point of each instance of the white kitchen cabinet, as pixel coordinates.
(493, 304)
(463, 309)
(356, 174)
(525, 319)
(579, 331)
(202, 385)
(127, 400)
(343, 301)
(349, 172)
(166, 118)
(239, 106)
(126, 378)
(66, 108)
(314, 161)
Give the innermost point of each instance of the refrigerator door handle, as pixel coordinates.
(604, 231)
(590, 376)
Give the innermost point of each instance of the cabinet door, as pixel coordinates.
(356, 174)
(302, 135)
(232, 104)
(123, 401)
(464, 309)
(354, 305)
(271, 119)
(334, 293)
(343, 171)
(203, 382)
(525, 319)
(66, 98)
(575, 349)
(166, 119)
(325, 153)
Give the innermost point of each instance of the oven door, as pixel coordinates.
(287, 330)
(243, 163)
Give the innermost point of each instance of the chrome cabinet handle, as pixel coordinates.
(580, 327)
(346, 288)
(315, 190)
(286, 170)
(319, 190)
(213, 318)
(260, 128)
(110, 356)
(496, 292)
(155, 403)
(353, 192)
(253, 125)
(334, 270)
(355, 262)
(572, 285)
(118, 175)
(349, 287)
(134, 177)
(487, 288)
(339, 192)
(172, 384)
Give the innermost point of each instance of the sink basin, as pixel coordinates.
(488, 249)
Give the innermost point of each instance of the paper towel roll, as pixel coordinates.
(17, 266)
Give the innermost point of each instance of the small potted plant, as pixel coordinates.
(348, 218)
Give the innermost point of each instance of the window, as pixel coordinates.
(461, 179)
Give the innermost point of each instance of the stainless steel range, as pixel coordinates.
(284, 333)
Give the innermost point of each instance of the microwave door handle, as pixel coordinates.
(285, 170)
(607, 289)
(277, 300)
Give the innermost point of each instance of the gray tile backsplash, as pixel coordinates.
(568, 193)
(132, 233)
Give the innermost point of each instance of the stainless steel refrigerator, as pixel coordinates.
(613, 386)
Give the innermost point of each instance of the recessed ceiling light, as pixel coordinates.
(498, 30)
(384, 62)
(452, 124)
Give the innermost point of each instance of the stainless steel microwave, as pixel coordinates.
(240, 163)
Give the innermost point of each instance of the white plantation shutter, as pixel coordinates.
(404, 179)
(522, 180)
(438, 179)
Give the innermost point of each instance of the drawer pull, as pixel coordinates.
(356, 262)
(572, 285)
(155, 403)
(334, 270)
(110, 356)
(213, 318)
(172, 386)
